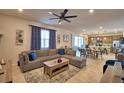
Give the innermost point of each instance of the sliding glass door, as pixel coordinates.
(77, 42)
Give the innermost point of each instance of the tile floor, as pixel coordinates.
(92, 73)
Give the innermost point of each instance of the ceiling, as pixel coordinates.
(109, 19)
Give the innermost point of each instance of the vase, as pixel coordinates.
(59, 60)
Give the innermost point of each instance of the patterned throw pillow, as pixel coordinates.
(61, 51)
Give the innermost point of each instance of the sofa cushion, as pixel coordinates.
(54, 56)
(46, 58)
(110, 62)
(32, 56)
(41, 53)
(50, 57)
(68, 56)
(70, 52)
(79, 58)
(37, 60)
(61, 51)
(52, 52)
(41, 59)
(78, 61)
(27, 52)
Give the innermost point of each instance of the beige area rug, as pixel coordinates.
(37, 76)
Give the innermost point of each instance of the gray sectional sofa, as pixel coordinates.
(45, 55)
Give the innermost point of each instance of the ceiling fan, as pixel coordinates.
(62, 16)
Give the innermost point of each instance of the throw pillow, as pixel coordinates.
(71, 52)
(32, 56)
(61, 51)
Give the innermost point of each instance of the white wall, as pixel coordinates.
(8, 48)
(8, 25)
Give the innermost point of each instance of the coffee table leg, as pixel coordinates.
(44, 69)
(50, 73)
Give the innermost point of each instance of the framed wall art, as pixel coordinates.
(19, 37)
(58, 38)
(65, 38)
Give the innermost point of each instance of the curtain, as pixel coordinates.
(52, 40)
(36, 38)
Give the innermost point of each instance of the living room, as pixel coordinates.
(23, 30)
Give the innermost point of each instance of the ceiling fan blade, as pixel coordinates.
(67, 20)
(65, 11)
(53, 18)
(59, 21)
(62, 16)
(70, 16)
(55, 15)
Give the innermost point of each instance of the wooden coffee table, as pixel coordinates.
(52, 67)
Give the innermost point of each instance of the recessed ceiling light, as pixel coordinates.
(84, 32)
(104, 38)
(97, 38)
(60, 23)
(83, 29)
(100, 27)
(91, 10)
(50, 12)
(115, 30)
(20, 10)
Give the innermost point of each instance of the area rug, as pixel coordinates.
(37, 76)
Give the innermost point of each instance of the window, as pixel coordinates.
(78, 41)
(45, 38)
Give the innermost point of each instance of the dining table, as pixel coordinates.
(95, 52)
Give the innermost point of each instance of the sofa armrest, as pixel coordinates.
(78, 62)
(23, 59)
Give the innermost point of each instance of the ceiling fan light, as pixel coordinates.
(60, 23)
(83, 29)
(62, 16)
(104, 38)
(100, 27)
(91, 10)
(50, 12)
(20, 10)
